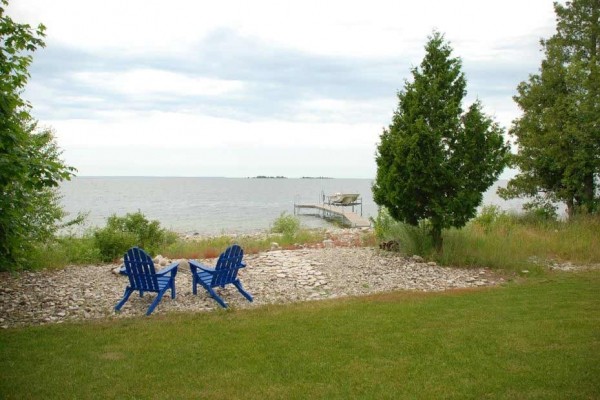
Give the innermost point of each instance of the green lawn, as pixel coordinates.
(536, 339)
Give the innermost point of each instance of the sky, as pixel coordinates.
(246, 88)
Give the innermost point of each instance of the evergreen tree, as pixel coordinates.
(558, 135)
(30, 165)
(434, 162)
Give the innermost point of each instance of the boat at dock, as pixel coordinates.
(334, 206)
(343, 198)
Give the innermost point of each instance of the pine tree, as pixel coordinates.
(558, 135)
(434, 162)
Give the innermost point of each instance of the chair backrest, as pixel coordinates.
(228, 264)
(140, 270)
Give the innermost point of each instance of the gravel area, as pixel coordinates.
(281, 276)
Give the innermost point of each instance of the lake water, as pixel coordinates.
(215, 205)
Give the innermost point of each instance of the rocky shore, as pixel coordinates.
(280, 276)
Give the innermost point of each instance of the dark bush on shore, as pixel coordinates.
(134, 229)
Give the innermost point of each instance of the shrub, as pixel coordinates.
(133, 229)
(488, 216)
(542, 212)
(411, 239)
(287, 225)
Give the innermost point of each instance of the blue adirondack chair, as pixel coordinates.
(139, 268)
(225, 272)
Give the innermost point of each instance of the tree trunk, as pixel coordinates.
(438, 241)
(570, 207)
(588, 192)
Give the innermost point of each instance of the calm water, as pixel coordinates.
(213, 205)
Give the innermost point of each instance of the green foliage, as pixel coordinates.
(211, 247)
(488, 216)
(121, 233)
(544, 211)
(287, 225)
(501, 240)
(557, 135)
(66, 250)
(411, 239)
(514, 242)
(30, 164)
(384, 225)
(434, 161)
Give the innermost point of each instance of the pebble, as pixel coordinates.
(281, 276)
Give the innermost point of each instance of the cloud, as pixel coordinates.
(256, 85)
(143, 82)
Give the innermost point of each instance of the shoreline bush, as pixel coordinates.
(503, 240)
(134, 229)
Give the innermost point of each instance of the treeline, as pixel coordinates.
(436, 158)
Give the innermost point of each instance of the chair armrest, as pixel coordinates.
(166, 270)
(195, 265)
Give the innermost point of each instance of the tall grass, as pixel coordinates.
(66, 250)
(209, 247)
(521, 241)
(502, 240)
(110, 242)
(494, 239)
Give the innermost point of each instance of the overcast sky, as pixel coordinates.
(245, 88)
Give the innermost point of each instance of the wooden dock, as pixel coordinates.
(349, 217)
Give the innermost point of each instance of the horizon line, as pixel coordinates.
(216, 176)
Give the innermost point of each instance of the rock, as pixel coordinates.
(281, 276)
(274, 246)
(183, 264)
(391, 245)
(328, 243)
(116, 270)
(417, 259)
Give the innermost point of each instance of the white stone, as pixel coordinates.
(274, 277)
(183, 264)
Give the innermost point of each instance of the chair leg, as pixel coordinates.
(156, 301)
(126, 295)
(194, 284)
(173, 289)
(239, 287)
(215, 296)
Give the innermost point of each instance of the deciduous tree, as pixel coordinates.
(30, 164)
(558, 134)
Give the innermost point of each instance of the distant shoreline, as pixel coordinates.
(210, 177)
(285, 177)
